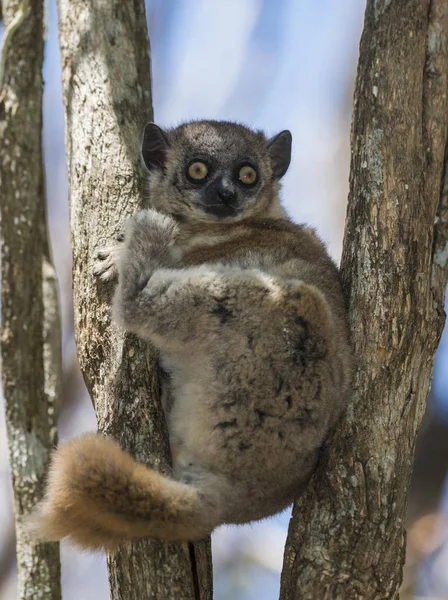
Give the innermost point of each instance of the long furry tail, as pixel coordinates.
(98, 496)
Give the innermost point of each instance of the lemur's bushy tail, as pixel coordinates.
(98, 496)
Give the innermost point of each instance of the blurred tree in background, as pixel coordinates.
(30, 331)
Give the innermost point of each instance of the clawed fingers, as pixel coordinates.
(104, 253)
(105, 267)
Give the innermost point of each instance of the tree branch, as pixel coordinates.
(29, 396)
(346, 537)
(19, 16)
(107, 95)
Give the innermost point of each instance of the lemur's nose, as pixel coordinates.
(226, 192)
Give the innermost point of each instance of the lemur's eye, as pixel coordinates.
(247, 175)
(197, 171)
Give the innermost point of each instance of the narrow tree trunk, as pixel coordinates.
(107, 94)
(30, 342)
(346, 537)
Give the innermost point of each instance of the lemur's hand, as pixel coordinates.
(105, 267)
(149, 239)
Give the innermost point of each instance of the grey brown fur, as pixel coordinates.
(247, 312)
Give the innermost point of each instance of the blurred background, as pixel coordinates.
(273, 65)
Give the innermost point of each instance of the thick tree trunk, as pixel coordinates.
(30, 333)
(346, 537)
(107, 94)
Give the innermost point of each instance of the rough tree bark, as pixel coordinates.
(107, 96)
(30, 333)
(346, 537)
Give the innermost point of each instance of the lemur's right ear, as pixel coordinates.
(279, 149)
(154, 147)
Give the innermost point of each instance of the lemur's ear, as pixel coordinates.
(154, 146)
(279, 149)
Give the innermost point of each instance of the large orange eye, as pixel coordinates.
(197, 171)
(247, 175)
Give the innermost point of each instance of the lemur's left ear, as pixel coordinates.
(279, 149)
(154, 147)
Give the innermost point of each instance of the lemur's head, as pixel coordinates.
(215, 170)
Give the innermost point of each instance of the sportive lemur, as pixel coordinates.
(247, 313)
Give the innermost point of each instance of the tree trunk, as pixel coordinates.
(346, 538)
(30, 332)
(107, 95)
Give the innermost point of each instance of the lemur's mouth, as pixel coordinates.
(219, 209)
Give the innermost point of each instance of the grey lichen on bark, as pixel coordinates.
(107, 97)
(31, 373)
(346, 537)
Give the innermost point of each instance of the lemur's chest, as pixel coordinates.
(246, 248)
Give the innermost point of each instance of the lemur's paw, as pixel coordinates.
(105, 266)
